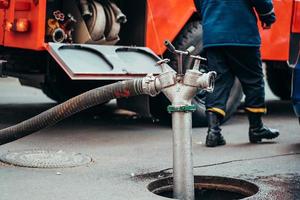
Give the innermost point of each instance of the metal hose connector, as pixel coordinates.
(206, 81)
(120, 17)
(123, 89)
(58, 35)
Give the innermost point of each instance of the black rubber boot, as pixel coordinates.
(214, 137)
(258, 131)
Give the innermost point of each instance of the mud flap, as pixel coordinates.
(100, 62)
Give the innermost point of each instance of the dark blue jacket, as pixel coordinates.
(233, 22)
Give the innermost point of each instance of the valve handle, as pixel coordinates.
(197, 61)
(190, 49)
(198, 57)
(196, 65)
(162, 63)
(179, 54)
(170, 46)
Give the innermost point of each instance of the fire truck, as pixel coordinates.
(65, 47)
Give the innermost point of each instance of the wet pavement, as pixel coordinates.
(128, 152)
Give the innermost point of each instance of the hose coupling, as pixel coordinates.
(204, 81)
(151, 85)
(207, 81)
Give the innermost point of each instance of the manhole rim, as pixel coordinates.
(237, 186)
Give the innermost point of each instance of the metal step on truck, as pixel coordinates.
(65, 47)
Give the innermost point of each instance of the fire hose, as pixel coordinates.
(81, 102)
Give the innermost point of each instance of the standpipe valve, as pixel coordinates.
(179, 54)
(197, 61)
(162, 64)
(180, 89)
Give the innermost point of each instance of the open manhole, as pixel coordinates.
(45, 159)
(209, 188)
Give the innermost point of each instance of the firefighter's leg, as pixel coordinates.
(247, 66)
(214, 136)
(257, 131)
(216, 101)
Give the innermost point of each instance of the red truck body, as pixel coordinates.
(162, 22)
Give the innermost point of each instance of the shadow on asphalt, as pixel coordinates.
(106, 114)
(294, 147)
(252, 145)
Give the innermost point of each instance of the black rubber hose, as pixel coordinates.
(81, 102)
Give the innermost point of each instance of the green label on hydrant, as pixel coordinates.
(187, 108)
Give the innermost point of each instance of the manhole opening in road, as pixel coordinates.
(45, 159)
(209, 188)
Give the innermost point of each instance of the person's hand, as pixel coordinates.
(267, 20)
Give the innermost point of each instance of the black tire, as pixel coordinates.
(59, 87)
(279, 76)
(192, 35)
(56, 83)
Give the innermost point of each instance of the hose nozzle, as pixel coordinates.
(58, 35)
(207, 81)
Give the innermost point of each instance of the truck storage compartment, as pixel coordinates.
(104, 22)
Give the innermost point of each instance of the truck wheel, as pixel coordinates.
(279, 76)
(192, 35)
(59, 87)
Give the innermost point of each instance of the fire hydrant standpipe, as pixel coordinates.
(183, 176)
(178, 88)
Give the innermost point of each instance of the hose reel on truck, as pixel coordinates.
(94, 22)
(103, 20)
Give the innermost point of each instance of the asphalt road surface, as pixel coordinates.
(127, 151)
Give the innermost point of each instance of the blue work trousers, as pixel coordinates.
(236, 61)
